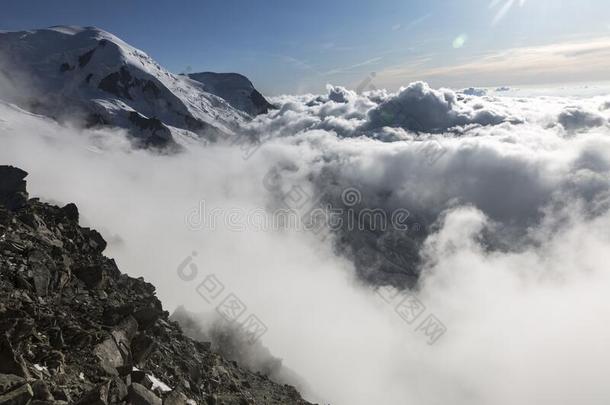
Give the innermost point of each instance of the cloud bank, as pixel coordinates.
(511, 198)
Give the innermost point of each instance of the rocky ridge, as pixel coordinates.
(75, 330)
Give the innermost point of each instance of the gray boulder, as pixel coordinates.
(140, 395)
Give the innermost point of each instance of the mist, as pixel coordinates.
(512, 255)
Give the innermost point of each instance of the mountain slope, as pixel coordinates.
(75, 330)
(86, 72)
(236, 89)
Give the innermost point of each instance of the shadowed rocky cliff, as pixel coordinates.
(75, 330)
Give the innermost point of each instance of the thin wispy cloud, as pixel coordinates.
(355, 66)
(417, 21)
(298, 63)
(411, 24)
(504, 8)
(334, 47)
(581, 60)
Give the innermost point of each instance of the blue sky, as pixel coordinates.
(295, 47)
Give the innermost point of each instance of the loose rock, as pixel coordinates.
(140, 395)
(18, 396)
(70, 320)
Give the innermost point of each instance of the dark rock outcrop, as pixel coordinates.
(13, 194)
(155, 133)
(75, 330)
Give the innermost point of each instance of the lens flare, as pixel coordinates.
(460, 41)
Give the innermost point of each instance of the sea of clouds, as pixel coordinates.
(508, 236)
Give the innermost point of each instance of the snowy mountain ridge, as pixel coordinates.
(92, 74)
(236, 89)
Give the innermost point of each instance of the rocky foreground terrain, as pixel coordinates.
(75, 330)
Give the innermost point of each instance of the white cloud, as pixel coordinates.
(576, 118)
(420, 108)
(514, 245)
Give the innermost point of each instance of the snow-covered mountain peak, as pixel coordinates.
(106, 81)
